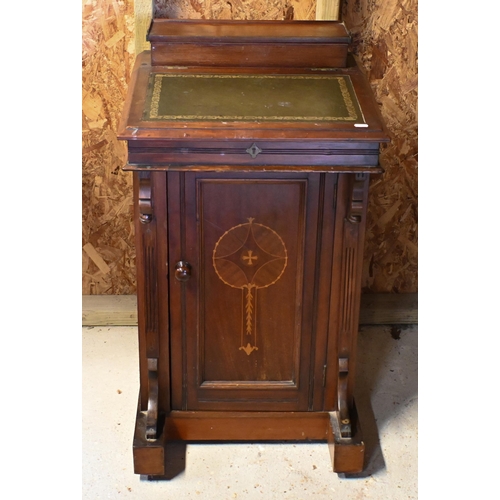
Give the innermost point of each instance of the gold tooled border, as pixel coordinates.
(158, 82)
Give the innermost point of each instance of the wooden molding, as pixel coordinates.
(376, 309)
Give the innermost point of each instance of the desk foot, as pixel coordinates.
(149, 455)
(347, 453)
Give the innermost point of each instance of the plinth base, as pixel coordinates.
(196, 426)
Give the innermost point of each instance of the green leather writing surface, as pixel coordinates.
(308, 98)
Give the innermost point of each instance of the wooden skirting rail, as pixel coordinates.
(376, 309)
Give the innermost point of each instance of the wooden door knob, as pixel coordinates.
(182, 270)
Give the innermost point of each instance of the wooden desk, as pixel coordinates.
(250, 187)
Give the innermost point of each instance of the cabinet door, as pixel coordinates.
(241, 324)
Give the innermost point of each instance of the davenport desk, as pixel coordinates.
(251, 146)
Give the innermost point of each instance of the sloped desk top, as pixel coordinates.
(244, 98)
(179, 117)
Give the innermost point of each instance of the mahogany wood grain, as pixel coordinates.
(225, 31)
(248, 43)
(246, 426)
(216, 318)
(249, 238)
(151, 156)
(160, 213)
(149, 456)
(323, 273)
(178, 349)
(239, 54)
(345, 292)
(144, 302)
(347, 455)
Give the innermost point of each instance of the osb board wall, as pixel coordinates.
(385, 41)
(236, 9)
(108, 57)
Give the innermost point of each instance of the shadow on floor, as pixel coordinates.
(387, 377)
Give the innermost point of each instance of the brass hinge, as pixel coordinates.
(324, 376)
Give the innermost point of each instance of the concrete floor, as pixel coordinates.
(387, 405)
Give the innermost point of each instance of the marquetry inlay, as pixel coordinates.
(248, 257)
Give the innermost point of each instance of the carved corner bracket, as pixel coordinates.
(145, 199)
(147, 300)
(356, 199)
(345, 440)
(343, 418)
(152, 413)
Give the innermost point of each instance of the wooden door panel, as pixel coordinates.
(251, 288)
(247, 308)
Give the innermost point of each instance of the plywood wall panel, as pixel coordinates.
(385, 40)
(236, 9)
(107, 57)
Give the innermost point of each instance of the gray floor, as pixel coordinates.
(387, 405)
